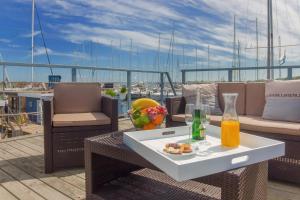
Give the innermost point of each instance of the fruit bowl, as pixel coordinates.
(147, 114)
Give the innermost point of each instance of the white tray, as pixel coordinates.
(212, 158)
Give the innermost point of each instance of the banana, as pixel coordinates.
(144, 103)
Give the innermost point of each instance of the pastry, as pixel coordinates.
(172, 150)
(187, 148)
(175, 148)
(174, 145)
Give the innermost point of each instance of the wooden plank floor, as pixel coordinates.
(22, 177)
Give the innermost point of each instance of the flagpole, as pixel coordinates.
(32, 41)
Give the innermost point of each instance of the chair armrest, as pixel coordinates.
(109, 106)
(47, 122)
(47, 113)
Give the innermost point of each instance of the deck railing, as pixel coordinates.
(230, 71)
(75, 68)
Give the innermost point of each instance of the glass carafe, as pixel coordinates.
(230, 125)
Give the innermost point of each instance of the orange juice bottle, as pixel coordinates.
(230, 133)
(230, 125)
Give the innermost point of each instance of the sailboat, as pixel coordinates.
(32, 40)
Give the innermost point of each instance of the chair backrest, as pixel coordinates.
(255, 98)
(239, 88)
(77, 97)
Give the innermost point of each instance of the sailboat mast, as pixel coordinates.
(271, 40)
(32, 39)
(183, 58)
(208, 61)
(196, 64)
(158, 55)
(120, 49)
(234, 46)
(112, 59)
(172, 54)
(270, 59)
(239, 60)
(256, 48)
(279, 53)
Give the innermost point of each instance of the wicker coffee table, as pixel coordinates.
(113, 171)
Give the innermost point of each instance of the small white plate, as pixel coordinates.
(178, 156)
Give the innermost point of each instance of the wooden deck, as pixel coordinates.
(22, 177)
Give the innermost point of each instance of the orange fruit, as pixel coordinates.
(158, 120)
(144, 111)
(149, 126)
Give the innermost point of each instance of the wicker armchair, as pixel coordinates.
(175, 107)
(77, 111)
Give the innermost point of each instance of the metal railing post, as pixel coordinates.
(289, 73)
(129, 88)
(74, 75)
(183, 77)
(230, 75)
(171, 83)
(162, 85)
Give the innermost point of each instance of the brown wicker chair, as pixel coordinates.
(285, 168)
(77, 111)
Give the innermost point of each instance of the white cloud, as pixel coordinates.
(14, 45)
(28, 35)
(196, 23)
(4, 40)
(38, 51)
(41, 51)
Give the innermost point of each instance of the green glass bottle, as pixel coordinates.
(197, 127)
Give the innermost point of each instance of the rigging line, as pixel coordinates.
(42, 34)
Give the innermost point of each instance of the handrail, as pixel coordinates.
(65, 66)
(239, 68)
(230, 70)
(74, 69)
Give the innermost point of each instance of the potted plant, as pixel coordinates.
(123, 93)
(110, 92)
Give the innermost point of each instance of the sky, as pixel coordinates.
(125, 34)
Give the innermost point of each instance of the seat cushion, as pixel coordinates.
(255, 98)
(239, 88)
(80, 119)
(258, 124)
(77, 98)
(178, 118)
